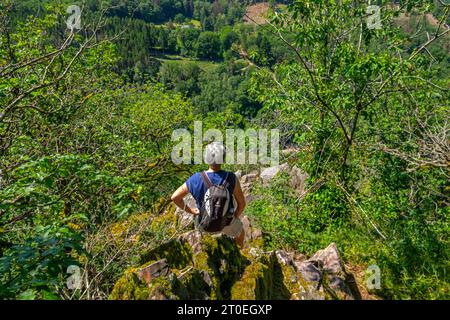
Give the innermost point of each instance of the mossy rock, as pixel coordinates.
(281, 279)
(177, 253)
(213, 272)
(129, 287)
(218, 269)
(222, 259)
(193, 285)
(263, 279)
(254, 284)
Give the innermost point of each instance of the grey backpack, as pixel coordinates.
(217, 210)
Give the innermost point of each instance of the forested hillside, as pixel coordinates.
(87, 116)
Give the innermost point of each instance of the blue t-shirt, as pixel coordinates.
(198, 188)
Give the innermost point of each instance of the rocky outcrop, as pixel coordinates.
(247, 181)
(270, 173)
(196, 265)
(201, 266)
(252, 233)
(153, 271)
(296, 178)
(326, 270)
(186, 219)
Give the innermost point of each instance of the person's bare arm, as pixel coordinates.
(240, 199)
(178, 197)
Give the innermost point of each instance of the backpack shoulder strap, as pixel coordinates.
(206, 179)
(226, 181)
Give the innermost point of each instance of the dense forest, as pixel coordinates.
(87, 115)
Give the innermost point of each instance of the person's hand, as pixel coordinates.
(194, 211)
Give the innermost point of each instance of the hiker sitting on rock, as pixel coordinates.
(213, 191)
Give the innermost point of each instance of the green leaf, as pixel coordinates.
(29, 294)
(46, 295)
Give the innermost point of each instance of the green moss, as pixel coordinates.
(254, 283)
(201, 263)
(129, 287)
(163, 204)
(162, 286)
(166, 223)
(222, 259)
(263, 279)
(178, 254)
